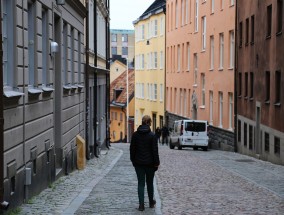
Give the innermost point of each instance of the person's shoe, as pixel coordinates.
(152, 204)
(141, 207)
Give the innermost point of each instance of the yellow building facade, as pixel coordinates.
(150, 65)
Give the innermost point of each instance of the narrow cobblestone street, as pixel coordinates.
(187, 182)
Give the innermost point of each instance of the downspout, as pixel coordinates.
(87, 124)
(95, 80)
(165, 67)
(236, 82)
(107, 107)
(1, 117)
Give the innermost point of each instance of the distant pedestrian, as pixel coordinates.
(144, 156)
(165, 134)
(158, 134)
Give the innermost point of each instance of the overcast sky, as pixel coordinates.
(124, 12)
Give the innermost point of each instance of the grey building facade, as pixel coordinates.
(43, 93)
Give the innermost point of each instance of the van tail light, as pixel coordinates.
(181, 129)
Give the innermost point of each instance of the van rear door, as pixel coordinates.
(196, 132)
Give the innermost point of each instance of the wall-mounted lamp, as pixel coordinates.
(54, 48)
(60, 2)
(148, 42)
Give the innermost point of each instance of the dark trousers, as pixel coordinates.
(143, 173)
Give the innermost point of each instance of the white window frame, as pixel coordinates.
(212, 52)
(182, 12)
(161, 60)
(221, 50)
(156, 27)
(196, 14)
(188, 56)
(185, 102)
(212, 6)
(155, 60)
(232, 49)
(211, 103)
(203, 21)
(177, 14)
(220, 109)
(231, 108)
(181, 101)
(186, 12)
(203, 89)
(195, 58)
(155, 92)
(178, 59)
(161, 92)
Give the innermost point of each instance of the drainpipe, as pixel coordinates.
(236, 81)
(95, 81)
(87, 84)
(107, 109)
(1, 117)
(165, 68)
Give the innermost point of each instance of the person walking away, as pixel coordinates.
(144, 156)
(165, 134)
(158, 134)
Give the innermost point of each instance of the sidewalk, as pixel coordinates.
(108, 185)
(68, 192)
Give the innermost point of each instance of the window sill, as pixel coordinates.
(278, 104)
(202, 107)
(211, 70)
(34, 91)
(239, 96)
(267, 102)
(203, 50)
(67, 87)
(194, 85)
(251, 99)
(279, 33)
(47, 89)
(246, 98)
(12, 93)
(231, 68)
(221, 69)
(187, 70)
(251, 43)
(268, 37)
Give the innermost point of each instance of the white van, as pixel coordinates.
(189, 133)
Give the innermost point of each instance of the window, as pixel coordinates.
(32, 44)
(72, 56)
(115, 115)
(185, 103)
(177, 15)
(155, 92)
(162, 27)
(124, 50)
(188, 57)
(247, 31)
(181, 101)
(231, 111)
(245, 134)
(121, 117)
(251, 84)
(182, 12)
(279, 15)
(221, 51)
(240, 84)
(232, 2)
(222, 4)
(195, 68)
(176, 100)
(220, 109)
(114, 50)
(241, 34)
(246, 84)
(203, 88)
(65, 54)
(156, 27)
(161, 92)
(142, 32)
(211, 106)
(252, 30)
(203, 21)
(212, 52)
(239, 130)
(155, 60)
(161, 60)
(277, 87)
(142, 63)
(113, 38)
(212, 6)
(79, 58)
(124, 37)
(250, 136)
(45, 45)
(186, 11)
(178, 58)
(269, 20)
(266, 142)
(196, 16)
(267, 86)
(232, 49)
(277, 145)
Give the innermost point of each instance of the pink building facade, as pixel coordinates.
(200, 49)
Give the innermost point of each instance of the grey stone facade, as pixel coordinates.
(44, 96)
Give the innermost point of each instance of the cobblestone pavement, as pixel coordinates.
(188, 182)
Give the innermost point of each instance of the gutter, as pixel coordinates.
(236, 81)
(95, 150)
(107, 108)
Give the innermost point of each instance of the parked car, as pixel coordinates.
(189, 133)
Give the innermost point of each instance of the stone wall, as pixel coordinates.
(221, 139)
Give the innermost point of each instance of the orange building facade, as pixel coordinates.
(200, 44)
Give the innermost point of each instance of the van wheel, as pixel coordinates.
(205, 148)
(179, 146)
(195, 148)
(171, 146)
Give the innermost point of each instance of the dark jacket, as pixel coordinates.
(144, 147)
